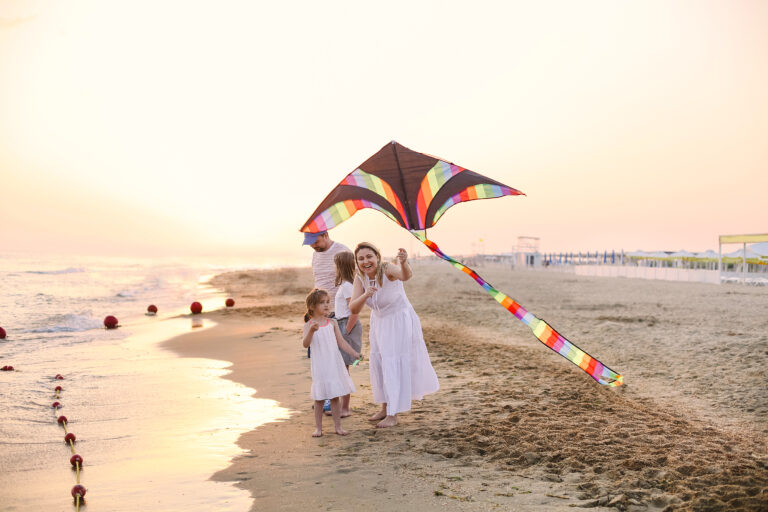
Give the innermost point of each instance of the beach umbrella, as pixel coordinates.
(740, 253)
(761, 249)
(682, 254)
(415, 190)
(707, 255)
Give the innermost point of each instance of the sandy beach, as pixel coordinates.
(514, 425)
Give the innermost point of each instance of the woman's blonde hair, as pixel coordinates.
(379, 266)
(313, 299)
(345, 267)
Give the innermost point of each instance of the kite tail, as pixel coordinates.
(543, 331)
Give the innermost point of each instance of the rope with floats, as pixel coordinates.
(78, 491)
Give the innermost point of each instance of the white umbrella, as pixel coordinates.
(708, 255)
(739, 253)
(760, 249)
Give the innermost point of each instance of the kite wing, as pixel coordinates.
(411, 188)
(415, 190)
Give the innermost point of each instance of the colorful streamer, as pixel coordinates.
(543, 331)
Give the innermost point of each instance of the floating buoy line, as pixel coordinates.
(79, 490)
(110, 322)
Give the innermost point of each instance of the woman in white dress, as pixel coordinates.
(399, 362)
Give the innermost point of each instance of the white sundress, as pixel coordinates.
(329, 376)
(400, 367)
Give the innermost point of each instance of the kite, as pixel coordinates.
(415, 190)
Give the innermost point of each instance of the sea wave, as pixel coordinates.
(148, 285)
(66, 323)
(70, 270)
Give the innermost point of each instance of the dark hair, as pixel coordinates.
(313, 299)
(345, 267)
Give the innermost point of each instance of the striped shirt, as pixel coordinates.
(324, 269)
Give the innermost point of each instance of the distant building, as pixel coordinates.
(527, 253)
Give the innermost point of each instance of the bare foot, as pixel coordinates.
(317, 433)
(327, 413)
(379, 415)
(389, 421)
(341, 432)
(346, 413)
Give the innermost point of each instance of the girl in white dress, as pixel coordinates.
(400, 367)
(330, 379)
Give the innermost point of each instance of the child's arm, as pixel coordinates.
(343, 345)
(351, 322)
(359, 296)
(309, 331)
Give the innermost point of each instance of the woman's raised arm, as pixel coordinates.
(402, 270)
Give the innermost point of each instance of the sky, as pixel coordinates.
(216, 128)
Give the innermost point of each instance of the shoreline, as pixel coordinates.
(514, 425)
(284, 468)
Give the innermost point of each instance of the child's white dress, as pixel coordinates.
(400, 367)
(329, 376)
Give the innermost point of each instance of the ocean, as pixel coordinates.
(151, 427)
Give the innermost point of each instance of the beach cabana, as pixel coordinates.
(744, 240)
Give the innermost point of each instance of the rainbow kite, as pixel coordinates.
(415, 190)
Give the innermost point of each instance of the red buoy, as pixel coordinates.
(2, 333)
(230, 303)
(55, 405)
(70, 437)
(75, 460)
(59, 377)
(78, 490)
(152, 309)
(4, 368)
(61, 419)
(10, 368)
(196, 308)
(110, 322)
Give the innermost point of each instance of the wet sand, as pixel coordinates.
(150, 426)
(515, 426)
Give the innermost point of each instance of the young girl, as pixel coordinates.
(350, 328)
(329, 378)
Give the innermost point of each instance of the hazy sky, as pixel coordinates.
(217, 127)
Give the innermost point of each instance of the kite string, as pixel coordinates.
(543, 331)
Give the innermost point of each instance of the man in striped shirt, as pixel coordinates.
(323, 267)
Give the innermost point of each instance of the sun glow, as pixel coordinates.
(209, 128)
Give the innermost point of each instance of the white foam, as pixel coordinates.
(66, 323)
(70, 270)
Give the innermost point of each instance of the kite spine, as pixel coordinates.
(543, 331)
